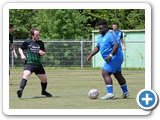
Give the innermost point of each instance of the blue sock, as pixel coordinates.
(124, 88)
(109, 89)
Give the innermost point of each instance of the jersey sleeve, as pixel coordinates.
(42, 47)
(121, 35)
(24, 45)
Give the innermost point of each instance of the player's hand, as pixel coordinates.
(89, 58)
(124, 48)
(41, 52)
(108, 58)
(23, 57)
(15, 55)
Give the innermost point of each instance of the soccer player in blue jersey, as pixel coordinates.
(34, 50)
(119, 35)
(108, 46)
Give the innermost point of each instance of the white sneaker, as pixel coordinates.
(108, 96)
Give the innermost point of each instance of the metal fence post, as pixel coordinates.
(81, 54)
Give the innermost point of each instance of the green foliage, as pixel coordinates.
(70, 24)
(126, 18)
(74, 24)
(67, 24)
(22, 19)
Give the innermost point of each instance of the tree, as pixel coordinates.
(22, 19)
(126, 18)
(70, 24)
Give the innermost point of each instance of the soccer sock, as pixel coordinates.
(109, 89)
(22, 84)
(44, 86)
(9, 72)
(124, 88)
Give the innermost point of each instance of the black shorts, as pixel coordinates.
(37, 69)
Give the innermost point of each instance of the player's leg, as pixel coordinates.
(40, 72)
(108, 82)
(122, 82)
(26, 75)
(9, 69)
(43, 79)
(9, 75)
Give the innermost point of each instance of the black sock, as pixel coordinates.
(9, 72)
(44, 86)
(22, 84)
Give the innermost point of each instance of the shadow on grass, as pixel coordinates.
(117, 98)
(33, 97)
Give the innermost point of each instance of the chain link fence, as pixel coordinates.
(59, 54)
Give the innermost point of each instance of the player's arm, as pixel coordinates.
(113, 52)
(123, 44)
(115, 48)
(14, 51)
(12, 46)
(42, 50)
(95, 51)
(115, 44)
(23, 57)
(21, 50)
(122, 41)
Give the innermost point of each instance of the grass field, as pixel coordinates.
(70, 86)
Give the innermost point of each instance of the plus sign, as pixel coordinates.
(147, 99)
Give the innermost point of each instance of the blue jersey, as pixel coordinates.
(105, 44)
(119, 35)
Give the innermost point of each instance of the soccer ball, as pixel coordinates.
(93, 94)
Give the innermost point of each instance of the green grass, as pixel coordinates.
(70, 86)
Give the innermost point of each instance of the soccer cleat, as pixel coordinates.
(10, 83)
(125, 95)
(19, 93)
(46, 94)
(108, 96)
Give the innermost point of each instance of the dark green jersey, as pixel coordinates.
(32, 51)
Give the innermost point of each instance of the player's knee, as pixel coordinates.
(26, 76)
(105, 73)
(43, 80)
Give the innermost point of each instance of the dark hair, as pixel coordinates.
(10, 26)
(102, 22)
(32, 31)
(115, 23)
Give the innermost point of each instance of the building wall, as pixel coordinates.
(134, 56)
